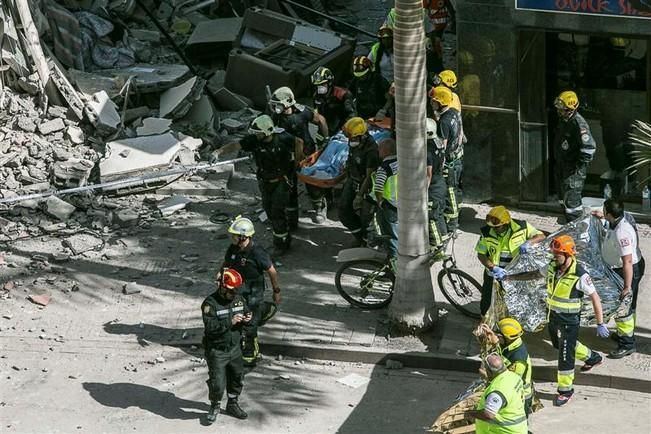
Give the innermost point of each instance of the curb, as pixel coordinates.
(420, 360)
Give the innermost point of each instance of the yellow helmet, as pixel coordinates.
(510, 328)
(361, 66)
(442, 95)
(449, 78)
(498, 216)
(355, 127)
(567, 101)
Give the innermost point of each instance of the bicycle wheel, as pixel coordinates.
(365, 283)
(461, 290)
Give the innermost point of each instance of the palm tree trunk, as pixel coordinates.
(412, 308)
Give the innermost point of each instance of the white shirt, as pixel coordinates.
(386, 64)
(493, 403)
(621, 241)
(585, 284)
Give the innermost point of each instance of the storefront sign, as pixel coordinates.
(617, 8)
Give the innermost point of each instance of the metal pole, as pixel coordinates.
(328, 17)
(121, 182)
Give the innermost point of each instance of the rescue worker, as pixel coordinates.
(621, 251)
(448, 79)
(336, 104)
(574, 149)
(501, 240)
(450, 130)
(385, 187)
(514, 350)
(252, 262)
(296, 119)
(363, 160)
(368, 87)
(567, 283)
(275, 152)
(224, 313)
(500, 409)
(437, 189)
(381, 54)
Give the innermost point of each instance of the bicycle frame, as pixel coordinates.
(360, 253)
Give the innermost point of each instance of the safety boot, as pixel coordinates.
(233, 408)
(211, 417)
(319, 216)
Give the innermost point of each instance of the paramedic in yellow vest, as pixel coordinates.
(448, 79)
(514, 350)
(567, 283)
(385, 187)
(500, 409)
(502, 239)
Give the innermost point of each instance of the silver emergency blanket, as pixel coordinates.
(525, 300)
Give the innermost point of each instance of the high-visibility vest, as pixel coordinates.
(516, 352)
(562, 295)
(511, 418)
(506, 247)
(390, 191)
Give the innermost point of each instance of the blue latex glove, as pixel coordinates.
(499, 273)
(602, 331)
(525, 248)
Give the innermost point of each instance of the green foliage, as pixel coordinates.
(640, 138)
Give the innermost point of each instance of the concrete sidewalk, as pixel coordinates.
(174, 258)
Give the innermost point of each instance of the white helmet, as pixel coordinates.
(431, 128)
(242, 226)
(283, 96)
(262, 124)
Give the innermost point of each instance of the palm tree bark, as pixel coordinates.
(412, 308)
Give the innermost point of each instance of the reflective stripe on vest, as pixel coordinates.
(511, 245)
(562, 296)
(511, 417)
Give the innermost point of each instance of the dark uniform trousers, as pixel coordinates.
(628, 342)
(253, 293)
(571, 188)
(486, 293)
(356, 222)
(275, 199)
(437, 198)
(452, 174)
(225, 371)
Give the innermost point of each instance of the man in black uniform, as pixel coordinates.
(368, 87)
(251, 261)
(437, 190)
(449, 129)
(363, 160)
(296, 119)
(574, 149)
(275, 152)
(224, 313)
(334, 103)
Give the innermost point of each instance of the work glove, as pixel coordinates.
(525, 248)
(499, 273)
(602, 331)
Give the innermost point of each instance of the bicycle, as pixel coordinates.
(366, 279)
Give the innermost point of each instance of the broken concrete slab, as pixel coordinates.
(71, 173)
(91, 83)
(203, 113)
(103, 113)
(59, 208)
(153, 126)
(56, 111)
(177, 101)
(41, 300)
(215, 184)
(149, 78)
(172, 204)
(75, 135)
(231, 101)
(52, 126)
(213, 36)
(131, 288)
(82, 242)
(134, 156)
(126, 218)
(26, 124)
(145, 35)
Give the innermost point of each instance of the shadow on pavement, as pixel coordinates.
(164, 404)
(149, 333)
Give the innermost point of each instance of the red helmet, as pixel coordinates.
(231, 278)
(563, 244)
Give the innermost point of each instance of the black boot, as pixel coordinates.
(213, 413)
(233, 408)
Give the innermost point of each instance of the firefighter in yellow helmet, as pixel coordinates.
(574, 149)
(448, 79)
(336, 104)
(363, 160)
(501, 240)
(368, 87)
(450, 130)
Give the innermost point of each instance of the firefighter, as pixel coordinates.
(296, 119)
(450, 130)
(381, 54)
(437, 189)
(224, 313)
(368, 87)
(336, 104)
(385, 187)
(448, 79)
(275, 152)
(574, 149)
(567, 283)
(363, 160)
(252, 262)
